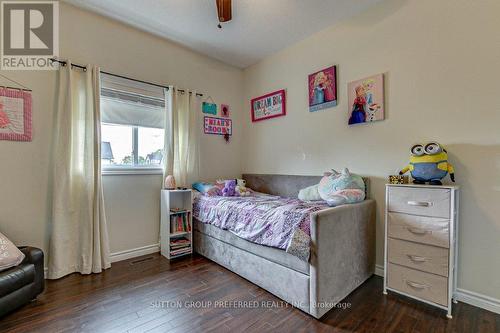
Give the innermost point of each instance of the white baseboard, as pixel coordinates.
(127, 254)
(132, 253)
(479, 300)
(464, 296)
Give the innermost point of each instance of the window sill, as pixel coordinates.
(132, 171)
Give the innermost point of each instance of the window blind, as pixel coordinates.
(127, 102)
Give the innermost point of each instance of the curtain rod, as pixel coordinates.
(84, 68)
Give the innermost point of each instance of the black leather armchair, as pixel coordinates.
(22, 283)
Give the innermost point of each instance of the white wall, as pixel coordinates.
(132, 202)
(441, 61)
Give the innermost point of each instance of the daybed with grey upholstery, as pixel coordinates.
(342, 250)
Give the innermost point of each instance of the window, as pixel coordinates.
(117, 144)
(132, 129)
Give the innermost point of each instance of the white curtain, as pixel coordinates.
(78, 237)
(182, 135)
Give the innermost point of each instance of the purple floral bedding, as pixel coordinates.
(283, 223)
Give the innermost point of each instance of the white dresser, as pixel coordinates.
(420, 259)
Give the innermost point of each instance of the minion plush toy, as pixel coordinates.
(429, 163)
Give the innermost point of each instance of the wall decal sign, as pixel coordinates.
(219, 126)
(210, 108)
(15, 115)
(366, 100)
(323, 89)
(269, 106)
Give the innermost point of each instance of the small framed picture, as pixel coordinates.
(224, 110)
(269, 106)
(323, 89)
(366, 100)
(15, 115)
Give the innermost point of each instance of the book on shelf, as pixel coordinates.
(176, 246)
(180, 241)
(180, 222)
(177, 210)
(180, 251)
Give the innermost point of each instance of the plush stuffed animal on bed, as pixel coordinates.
(341, 188)
(229, 189)
(241, 188)
(336, 189)
(310, 193)
(208, 189)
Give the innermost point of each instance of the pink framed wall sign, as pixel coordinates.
(269, 106)
(218, 126)
(15, 115)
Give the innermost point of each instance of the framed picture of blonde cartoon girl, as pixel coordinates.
(366, 100)
(323, 89)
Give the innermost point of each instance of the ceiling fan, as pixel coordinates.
(224, 11)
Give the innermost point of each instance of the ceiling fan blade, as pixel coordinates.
(224, 11)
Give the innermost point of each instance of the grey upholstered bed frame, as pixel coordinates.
(342, 250)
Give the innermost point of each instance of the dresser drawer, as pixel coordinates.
(422, 229)
(420, 201)
(425, 258)
(427, 286)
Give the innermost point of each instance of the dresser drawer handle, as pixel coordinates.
(416, 285)
(420, 203)
(418, 231)
(415, 258)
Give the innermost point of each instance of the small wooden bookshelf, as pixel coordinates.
(176, 232)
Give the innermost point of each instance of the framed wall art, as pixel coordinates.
(366, 100)
(224, 110)
(15, 115)
(323, 89)
(268, 106)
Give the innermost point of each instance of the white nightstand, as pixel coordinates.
(176, 225)
(421, 225)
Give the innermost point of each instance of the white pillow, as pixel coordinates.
(10, 255)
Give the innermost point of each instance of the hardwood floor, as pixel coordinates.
(151, 294)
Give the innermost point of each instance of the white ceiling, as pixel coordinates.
(258, 29)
